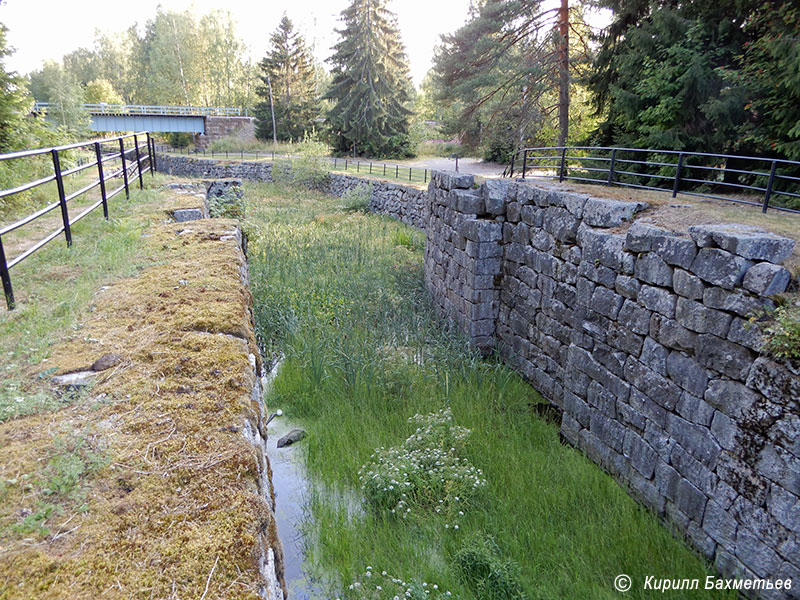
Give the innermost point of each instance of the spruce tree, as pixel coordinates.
(289, 86)
(371, 87)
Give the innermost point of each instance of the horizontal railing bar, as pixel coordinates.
(86, 212)
(78, 169)
(28, 219)
(83, 190)
(726, 183)
(115, 192)
(28, 186)
(793, 195)
(639, 162)
(657, 151)
(38, 151)
(35, 247)
(647, 175)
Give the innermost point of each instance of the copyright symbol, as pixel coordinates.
(622, 583)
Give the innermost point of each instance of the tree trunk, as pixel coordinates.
(563, 71)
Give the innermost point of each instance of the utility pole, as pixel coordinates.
(272, 110)
(563, 71)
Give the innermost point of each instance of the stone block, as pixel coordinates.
(449, 180)
(723, 356)
(467, 202)
(690, 500)
(724, 430)
(600, 212)
(755, 554)
(774, 381)
(642, 457)
(531, 215)
(480, 230)
(659, 389)
(627, 286)
(671, 334)
(606, 302)
(182, 215)
(658, 300)
(651, 268)
(624, 339)
(720, 524)
(719, 267)
(734, 301)
(766, 279)
(694, 439)
(687, 373)
(495, 193)
(634, 317)
(654, 356)
(561, 223)
(699, 318)
(687, 285)
(785, 507)
(730, 397)
(746, 334)
(695, 409)
(746, 241)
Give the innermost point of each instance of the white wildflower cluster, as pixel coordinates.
(383, 586)
(424, 471)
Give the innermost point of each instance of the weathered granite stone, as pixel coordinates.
(754, 553)
(561, 223)
(719, 267)
(774, 381)
(746, 333)
(658, 300)
(495, 193)
(606, 302)
(294, 436)
(701, 319)
(734, 301)
(651, 268)
(687, 373)
(766, 279)
(730, 397)
(671, 334)
(479, 230)
(724, 430)
(695, 409)
(687, 285)
(181, 215)
(627, 286)
(599, 212)
(724, 357)
(449, 180)
(467, 202)
(654, 356)
(746, 241)
(634, 317)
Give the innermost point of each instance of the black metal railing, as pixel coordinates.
(128, 164)
(360, 166)
(765, 182)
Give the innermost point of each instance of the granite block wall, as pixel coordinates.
(642, 336)
(408, 204)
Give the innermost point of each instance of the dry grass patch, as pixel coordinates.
(144, 485)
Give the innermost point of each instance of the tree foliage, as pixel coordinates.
(53, 84)
(370, 87)
(289, 86)
(501, 71)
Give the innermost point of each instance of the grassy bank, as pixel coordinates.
(341, 294)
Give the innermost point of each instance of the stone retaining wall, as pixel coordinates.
(405, 203)
(642, 337)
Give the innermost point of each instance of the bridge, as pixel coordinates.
(139, 117)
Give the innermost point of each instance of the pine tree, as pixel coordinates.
(371, 86)
(14, 99)
(289, 87)
(510, 69)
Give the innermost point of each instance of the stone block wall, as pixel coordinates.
(408, 204)
(220, 127)
(642, 337)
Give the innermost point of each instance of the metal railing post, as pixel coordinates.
(397, 171)
(102, 179)
(524, 162)
(425, 180)
(124, 167)
(409, 173)
(62, 197)
(678, 171)
(770, 183)
(611, 168)
(138, 161)
(513, 158)
(6, 278)
(358, 167)
(150, 153)
(562, 171)
(370, 167)
(155, 160)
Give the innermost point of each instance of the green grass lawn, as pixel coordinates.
(341, 294)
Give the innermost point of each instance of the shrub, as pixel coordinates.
(425, 472)
(309, 166)
(782, 334)
(356, 199)
(227, 206)
(483, 568)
